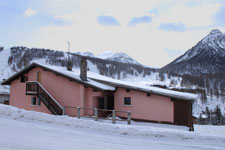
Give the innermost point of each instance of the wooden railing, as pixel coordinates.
(35, 88)
(96, 112)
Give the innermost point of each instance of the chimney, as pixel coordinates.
(83, 69)
(69, 65)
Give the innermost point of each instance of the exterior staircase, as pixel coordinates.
(36, 89)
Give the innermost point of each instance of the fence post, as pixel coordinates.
(113, 116)
(78, 112)
(96, 114)
(129, 118)
(63, 111)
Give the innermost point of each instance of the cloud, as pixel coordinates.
(178, 27)
(107, 21)
(220, 16)
(30, 12)
(58, 21)
(191, 17)
(138, 20)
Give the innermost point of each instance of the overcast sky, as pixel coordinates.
(154, 32)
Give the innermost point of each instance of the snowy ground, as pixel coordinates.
(26, 130)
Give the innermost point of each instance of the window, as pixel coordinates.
(23, 78)
(35, 101)
(127, 101)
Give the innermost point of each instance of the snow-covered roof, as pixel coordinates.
(143, 88)
(198, 116)
(72, 75)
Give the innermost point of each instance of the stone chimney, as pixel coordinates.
(69, 65)
(83, 69)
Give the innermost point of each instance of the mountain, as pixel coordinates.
(109, 55)
(89, 54)
(119, 57)
(202, 68)
(206, 57)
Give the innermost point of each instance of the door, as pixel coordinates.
(39, 76)
(182, 111)
(106, 102)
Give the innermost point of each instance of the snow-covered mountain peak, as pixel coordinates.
(207, 56)
(106, 54)
(215, 39)
(120, 57)
(85, 54)
(215, 31)
(213, 45)
(110, 55)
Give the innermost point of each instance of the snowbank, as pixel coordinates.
(146, 131)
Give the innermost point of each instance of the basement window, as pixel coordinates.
(127, 101)
(23, 78)
(35, 101)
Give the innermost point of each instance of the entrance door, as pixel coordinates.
(39, 76)
(182, 112)
(101, 103)
(106, 102)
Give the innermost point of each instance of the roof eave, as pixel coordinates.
(146, 91)
(33, 65)
(15, 76)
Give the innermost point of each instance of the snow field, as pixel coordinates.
(122, 129)
(29, 130)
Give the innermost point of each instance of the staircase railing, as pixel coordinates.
(35, 88)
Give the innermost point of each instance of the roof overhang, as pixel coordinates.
(34, 65)
(118, 85)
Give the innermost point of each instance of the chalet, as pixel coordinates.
(48, 89)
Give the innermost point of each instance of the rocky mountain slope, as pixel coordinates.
(206, 57)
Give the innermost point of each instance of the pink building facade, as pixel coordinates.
(37, 87)
(144, 107)
(64, 91)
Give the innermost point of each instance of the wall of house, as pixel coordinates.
(67, 93)
(143, 107)
(19, 99)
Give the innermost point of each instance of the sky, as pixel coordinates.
(153, 32)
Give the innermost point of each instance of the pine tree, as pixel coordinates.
(200, 120)
(208, 114)
(218, 116)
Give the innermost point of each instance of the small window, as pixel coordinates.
(127, 101)
(35, 101)
(23, 78)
